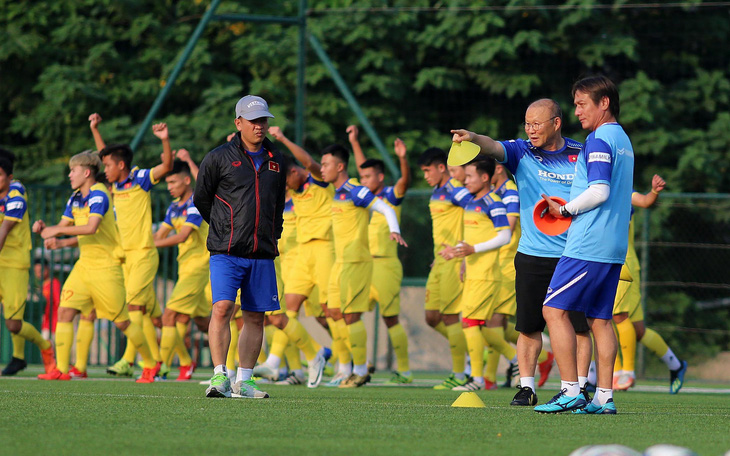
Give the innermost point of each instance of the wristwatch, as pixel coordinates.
(564, 212)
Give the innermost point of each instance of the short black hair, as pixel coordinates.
(484, 165)
(180, 167)
(378, 164)
(291, 163)
(7, 161)
(597, 87)
(338, 152)
(119, 152)
(432, 156)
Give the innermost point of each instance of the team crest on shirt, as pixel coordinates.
(343, 196)
(128, 185)
(442, 197)
(478, 209)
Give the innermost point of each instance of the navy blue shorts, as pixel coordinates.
(255, 278)
(584, 286)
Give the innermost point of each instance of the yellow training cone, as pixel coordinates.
(462, 153)
(468, 400)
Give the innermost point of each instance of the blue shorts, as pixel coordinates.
(584, 286)
(255, 278)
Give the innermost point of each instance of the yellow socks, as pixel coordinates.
(150, 333)
(627, 342)
(359, 341)
(168, 343)
(84, 336)
(232, 347)
(279, 342)
(441, 329)
(457, 344)
(293, 359)
(511, 334)
(296, 332)
(135, 337)
(340, 336)
(490, 370)
(18, 346)
(495, 338)
(475, 344)
(64, 341)
(182, 351)
(399, 341)
(29, 333)
(135, 317)
(654, 342)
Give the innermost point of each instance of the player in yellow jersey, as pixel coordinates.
(96, 281)
(14, 265)
(387, 268)
(628, 314)
(191, 296)
(443, 288)
(486, 229)
(349, 288)
(506, 189)
(131, 188)
(312, 200)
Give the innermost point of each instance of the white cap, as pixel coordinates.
(252, 107)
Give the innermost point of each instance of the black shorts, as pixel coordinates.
(532, 279)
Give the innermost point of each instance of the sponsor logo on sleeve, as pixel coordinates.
(14, 205)
(599, 157)
(459, 195)
(511, 199)
(142, 173)
(193, 210)
(498, 211)
(96, 200)
(363, 192)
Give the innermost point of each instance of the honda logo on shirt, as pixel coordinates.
(273, 166)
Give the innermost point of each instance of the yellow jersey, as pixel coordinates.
(350, 220)
(98, 250)
(447, 214)
(511, 200)
(192, 253)
(381, 245)
(133, 205)
(288, 239)
(483, 217)
(313, 205)
(14, 206)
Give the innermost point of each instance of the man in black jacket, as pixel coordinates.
(240, 192)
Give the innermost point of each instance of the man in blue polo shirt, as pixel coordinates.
(545, 163)
(588, 272)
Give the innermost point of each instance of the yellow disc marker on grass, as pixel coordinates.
(469, 399)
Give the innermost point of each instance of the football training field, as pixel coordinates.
(105, 415)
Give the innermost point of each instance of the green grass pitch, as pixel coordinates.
(116, 416)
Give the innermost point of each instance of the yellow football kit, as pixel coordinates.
(133, 206)
(15, 254)
(387, 268)
(628, 293)
(189, 296)
(315, 256)
(96, 281)
(506, 299)
(483, 218)
(443, 287)
(349, 287)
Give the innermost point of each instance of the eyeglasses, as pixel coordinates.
(536, 125)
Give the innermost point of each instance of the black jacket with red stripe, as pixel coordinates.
(243, 207)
